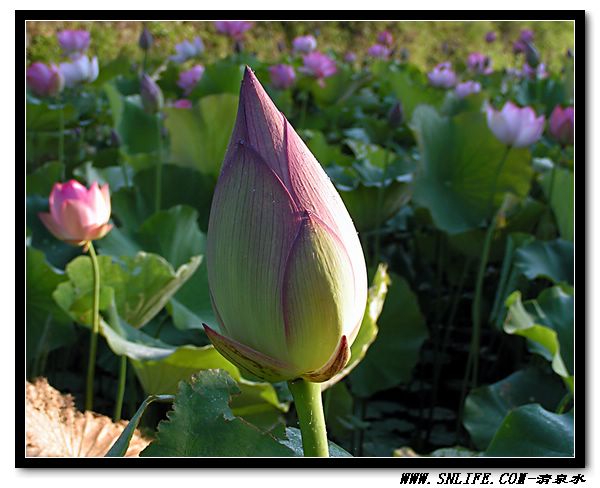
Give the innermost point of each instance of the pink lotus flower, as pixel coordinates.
(45, 81)
(490, 37)
(561, 124)
(526, 35)
(73, 41)
(479, 63)
(187, 50)
(442, 75)
(518, 47)
(304, 44)
(189, 79)
(78, 215)
(234, 29)
(282, 76)
(182, 103)
(467, 88)
(318, 65)
(385, 38)
(286, 271)
(514, 126)
(379, 51)
(80, 70)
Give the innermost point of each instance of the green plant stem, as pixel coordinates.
(158, 187)
(121, 389)
(307, 398)
(552, 176)
(89, 392)
(61, 138)
(379, 205)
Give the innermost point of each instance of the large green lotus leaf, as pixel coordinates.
(487, 406)
(138, 130)
(199, 136)
(368, 328)
(553, 260)
(140, 286)
(222, 77)
(532, 431)
(460, 158)
(41, 181)
(395, 352)
(294, 441)
(548, 325)
(203, 424)
(327, 154)
(48, 326)
(562, 199)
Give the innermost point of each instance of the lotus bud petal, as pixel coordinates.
(561, 124)
(304, 44)
(78, 215)
(73, 41)
(45, 80)
(152, 97)
(514, 126)
(146, 39)
(286, 272)
(396, 115)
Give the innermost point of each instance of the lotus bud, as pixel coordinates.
(532, 56)
(189, 79)
(385, 38)
(80, 70)
(146, 40)
(78, 215)
(514, 126)
(467, 88)
(73, 41)
(45, 80)
(396, 115)
(490, 37)
(561, 124)
(318, 65)
(152, 97)
(286, 272)
(442, 75)
(234, 29)
(282, 76)
(379, 51)
(304, 44)
(115, 138)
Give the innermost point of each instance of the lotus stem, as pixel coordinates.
(121, 389)
(61, 138)
(309, 406)
(89, 392)
(158, 188)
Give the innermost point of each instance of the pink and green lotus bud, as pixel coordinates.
(183, 103)
(490, 37)
(187, 50)
(379, 51)
(396, 115)
(146, 40)
(152, 97)
(304, 44)
(385, 38)
(526, 35)
(479, 63)
(318, 65)
(45, 81)
(282, 76)
(532, 56)
(80, 70)
(532, 73)
(78, 215)
(189, 79)
(234, 29)
(73, 41)
(442, 76)
(350, 57)
(561, 124)
(286, 271)
(467, 88)
(514, 126)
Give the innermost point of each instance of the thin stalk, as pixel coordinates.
(116, 325)
(89, 392)
(564, 403)
(61, 138)
(158, 187)
(145, 61)
(307, 398)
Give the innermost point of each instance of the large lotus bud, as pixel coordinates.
(286, 271)
(152, 97)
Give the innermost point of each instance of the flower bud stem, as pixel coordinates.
(89, 392)
(158, 188)
(307, 398)
(61, 138)
(113, 318)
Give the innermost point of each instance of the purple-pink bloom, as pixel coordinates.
(304, 44)
(561, 124)
(182, 103)
(467, 88)
(385, 38)
(80, 70)
(78, 215)
(282, 76)
(350, 57)
(490, 37)
(538, 72)
(479, 63)
(518, 47)
(189, 79)
(234, 29)
(73, 41)
(514, 126)
(318, 65)
(442, 76)
(187, 50)
(45, 81)
(379, 51)
(526, 35)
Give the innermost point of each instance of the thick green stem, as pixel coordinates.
(89, 392)
(307, 398)
(158, 188)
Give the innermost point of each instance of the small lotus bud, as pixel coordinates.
(146, 40)
(532, 55)
(115, 138)
(152, 97)
(396, 115)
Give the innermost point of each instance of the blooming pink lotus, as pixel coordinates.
(187, 50)
(78, 215)
(514, 126)
(561, 124)
(80, 70)
(379, 51)
(304, 44)
(189, 79)
(442, 76)
(182, 103)
(479, 63)
(73, 41)
(45, 80)
(234, 29)
(286, 271)
(467, 88)
(319, 65)
(282, 76)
